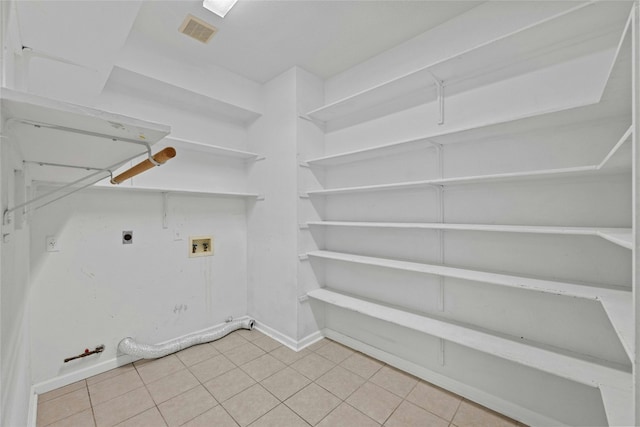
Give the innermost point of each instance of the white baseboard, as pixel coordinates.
(81, 374)
(497, 404)
(295, 345)
(310, 340)
(276, 335)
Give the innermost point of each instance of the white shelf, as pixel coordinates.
(68, 145)
(564, 364)
(181, 98)
(590, 115)
(209, 149)
(224, 194)
(619, 236)
(585, 116)
(614, 381)
(72, 134)
(618, 160)
(538, 285)
(583, 27)
(615, 301)
(542, 174)
(370, 153)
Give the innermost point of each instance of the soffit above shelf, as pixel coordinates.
(131, 83)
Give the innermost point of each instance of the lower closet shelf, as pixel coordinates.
(613, 381)
(616, 302)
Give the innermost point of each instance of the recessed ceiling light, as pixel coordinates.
(219, 7)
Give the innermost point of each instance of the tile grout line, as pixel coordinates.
(149, 393)
(64, 394)
(453, 417)
(93, 414)
(356, 409)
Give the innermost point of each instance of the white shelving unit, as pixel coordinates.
(586, 27)
(71, 146)
(581, 28)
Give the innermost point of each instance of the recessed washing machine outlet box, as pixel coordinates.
(200, 246)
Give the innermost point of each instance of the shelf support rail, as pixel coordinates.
(440, 93)
(6, 220)
(80, 132)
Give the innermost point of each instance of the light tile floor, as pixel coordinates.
(248, 379)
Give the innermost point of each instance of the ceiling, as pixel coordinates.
(76, 43)
(259, 39)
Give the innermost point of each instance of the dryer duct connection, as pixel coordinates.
(149, 351)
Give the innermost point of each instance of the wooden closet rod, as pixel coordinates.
(158, 159)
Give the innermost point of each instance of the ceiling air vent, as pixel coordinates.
(198, 29)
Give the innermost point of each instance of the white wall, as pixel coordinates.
(15, 355)
(272, 226)
(96, 290)
(310, 145)
(150, 290)
(15, 373)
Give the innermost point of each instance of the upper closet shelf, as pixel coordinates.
(210, 149)
(584, 28)
(619, 236)
(71, 144)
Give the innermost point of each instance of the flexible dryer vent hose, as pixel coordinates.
(149, 351)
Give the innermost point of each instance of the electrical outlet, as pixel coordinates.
(200, 246)
(52, 244)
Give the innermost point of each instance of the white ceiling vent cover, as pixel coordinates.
(198, 29)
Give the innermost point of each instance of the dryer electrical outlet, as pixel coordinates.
(200, 246)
